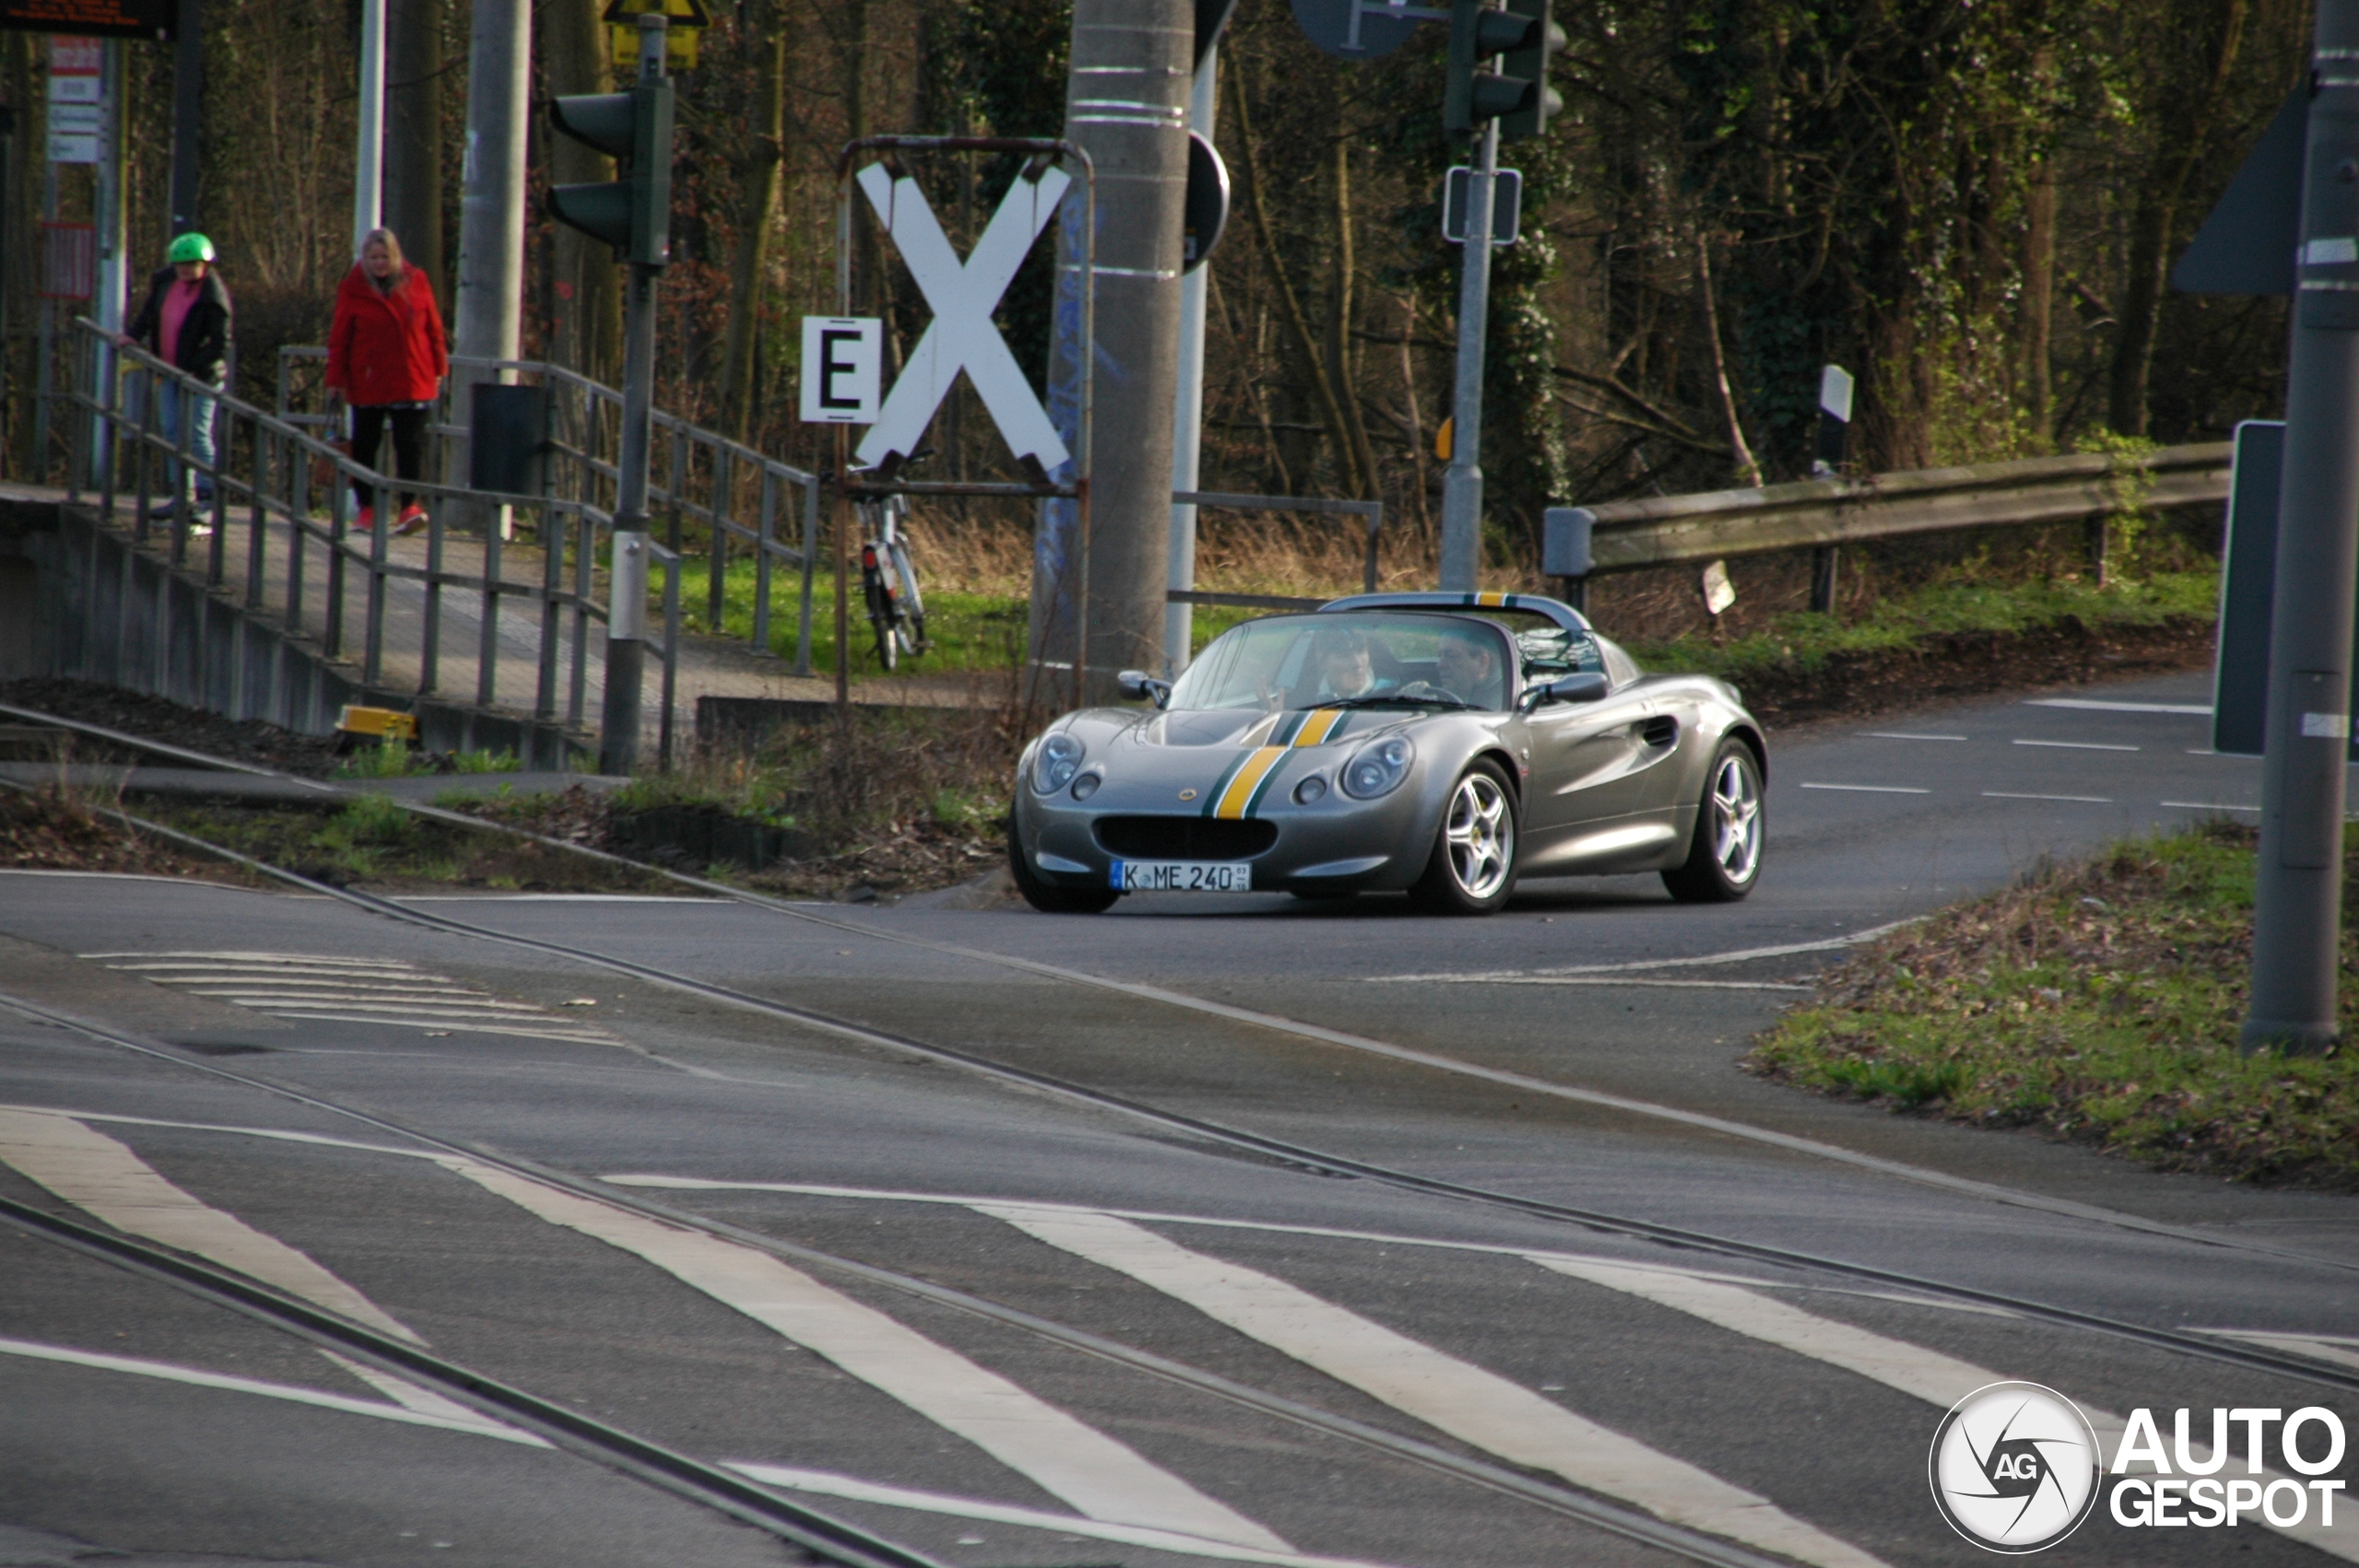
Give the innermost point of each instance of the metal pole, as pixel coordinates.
(489, 320)
(114, 277)
(2298, 905)
(188, 102)
(627, 590)
(1462, 490)
(369, 171)
(1188, 412)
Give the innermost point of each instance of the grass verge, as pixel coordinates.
(2098, 1001)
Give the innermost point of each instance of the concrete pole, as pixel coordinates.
(1188, 407)
(188, 103)
(368, 169)
(114, 269)
(2297, 911)
(1125, 103)
(1461, 488)
(490, 292)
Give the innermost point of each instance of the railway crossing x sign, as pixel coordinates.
(962, 335)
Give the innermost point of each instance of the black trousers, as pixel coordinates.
(410, 442)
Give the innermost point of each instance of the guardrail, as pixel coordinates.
(1826, 513)
(734, 491)
(266, 481)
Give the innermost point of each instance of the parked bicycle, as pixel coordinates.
(889, 580)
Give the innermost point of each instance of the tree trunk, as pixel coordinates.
(2188, 107)
(413, 134)
(1289, 303)
(2040, 298)
(586, 326)
(756, 207)
(1749, 470)
(1340, 352)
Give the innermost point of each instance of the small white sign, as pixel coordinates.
(1835, 392)
(2326, 726)
(843, 370)
(69, 147)
(2334, 253)
(1719, 591)
(75, 90)
(76, 119)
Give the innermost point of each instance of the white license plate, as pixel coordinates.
(1183, 876)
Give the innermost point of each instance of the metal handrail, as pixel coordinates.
(674, 491)
(276, 490)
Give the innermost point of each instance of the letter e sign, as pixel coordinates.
(843, 364)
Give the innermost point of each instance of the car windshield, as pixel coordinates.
(1359, 659)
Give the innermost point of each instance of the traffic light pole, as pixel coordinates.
(626, 583)
(2297, 908)
(1461, 492)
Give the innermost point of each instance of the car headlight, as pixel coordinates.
(1379, 769)
(1086, 785)
(1056, 762)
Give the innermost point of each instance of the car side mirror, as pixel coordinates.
(1139, 687)
(1586, 686)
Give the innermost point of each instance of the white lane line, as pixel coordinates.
(1101, 1476)
(1659, 985)
(551, 898)
(465, 1421)
(95, 1173)
(2078, 800)
(2092, 705)
(2337, 1348)
(1903, 735)
(425, 1401)
(2205, 806)
(1872, 789)
(1152, 1216)
(830, 1485)
(1939, 1380)
(453, 1026)
(483, 1008)
(399, 965)
(1470, 1404)
(2076, 746)
(280, 1134)
(1737, 956)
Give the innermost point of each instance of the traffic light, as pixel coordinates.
(1477, 34)
(632, 213)
(1529, 62)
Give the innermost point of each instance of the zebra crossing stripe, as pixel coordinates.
(1102, 1478)
(1939, 1380)
(1470, 1404)
(95, 1173)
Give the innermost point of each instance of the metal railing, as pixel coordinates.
(283, 497)
(733, 492)
(1822, 513)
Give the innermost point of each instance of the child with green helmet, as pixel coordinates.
(186, 324)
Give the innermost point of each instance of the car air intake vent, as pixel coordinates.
(1660, 731)
(1184, 837)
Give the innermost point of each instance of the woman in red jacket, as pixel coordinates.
(387, 358)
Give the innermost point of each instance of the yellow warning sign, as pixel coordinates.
(688, 18)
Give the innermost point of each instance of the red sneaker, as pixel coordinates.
(366, 521)
(412, 520)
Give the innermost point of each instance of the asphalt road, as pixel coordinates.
(1351, 1370)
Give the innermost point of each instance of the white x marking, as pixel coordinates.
(961, 335)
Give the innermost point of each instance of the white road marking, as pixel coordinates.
(389, 991)
(95, 1173)
(1939, 1380)
(1738, 955)
(1872, 789)
(396, 966)
(2205, 806)
(2092, 705)
(1659, 985)
(829, 1485)
(2076, 746)
(1472, 1405)
(1900, 735)
(1101, 1476)
(2078, 800)
(279, 1133)
(465, 1420)
(2337, 1348)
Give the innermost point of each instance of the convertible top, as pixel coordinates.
(1562, 614)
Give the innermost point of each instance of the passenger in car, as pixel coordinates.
(1346, 660)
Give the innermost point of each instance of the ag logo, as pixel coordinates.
(2015, 1468)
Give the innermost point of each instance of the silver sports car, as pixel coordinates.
(1439, 743)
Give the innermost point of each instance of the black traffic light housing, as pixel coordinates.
(1519, 97)
(632, 213)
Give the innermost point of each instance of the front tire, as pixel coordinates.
(1472, 867)
(1047, 898)
(1724, 856)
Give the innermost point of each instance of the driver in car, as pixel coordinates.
(1465, 667)
(1346, 665)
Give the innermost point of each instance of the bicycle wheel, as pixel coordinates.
(881, 618)
(913, 606)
